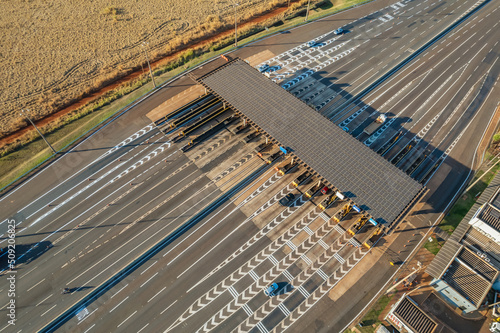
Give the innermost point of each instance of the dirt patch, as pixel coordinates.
(12, 116)
(59, 51)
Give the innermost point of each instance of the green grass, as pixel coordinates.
(370, 320)
(434, 246)
(28, 155)
(466, 201)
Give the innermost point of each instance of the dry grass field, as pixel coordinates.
(54, 51)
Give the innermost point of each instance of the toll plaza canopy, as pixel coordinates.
(377, 186)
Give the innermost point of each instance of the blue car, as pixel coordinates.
(270, 291)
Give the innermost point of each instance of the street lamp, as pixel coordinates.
(144, 45)
(235, 25)
(307, 12)
(32, 123)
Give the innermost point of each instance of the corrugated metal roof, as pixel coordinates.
(377, 186)
(467, 282)
(478, 264)
(450, 249)
(408, 312)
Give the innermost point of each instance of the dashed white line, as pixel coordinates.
(36, 284)
(117, 305)
(123, 322)
(148, 280)
(119, 290)
(168, 307)
(156, 294)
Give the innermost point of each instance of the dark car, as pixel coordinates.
(270, 291)
(287, 200)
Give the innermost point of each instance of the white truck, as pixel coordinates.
(375, 125)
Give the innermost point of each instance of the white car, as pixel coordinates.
(339, 31)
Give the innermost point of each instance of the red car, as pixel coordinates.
(325, 190)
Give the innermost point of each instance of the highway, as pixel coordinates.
(114, 196)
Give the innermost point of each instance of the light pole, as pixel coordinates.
(144, 45)
(235, 26)
(307, 12)
(32, 123)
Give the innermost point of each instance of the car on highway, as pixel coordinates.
(314, 43)
(273, 69)
(339, 31)
(263, 68)
(271, 290)
(287, 200)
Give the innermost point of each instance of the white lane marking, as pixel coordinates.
(253, 275)
(148, 267)
(123, 322)
(149, 127)
(266, 174)
(168, 307)
(47, 310)
(119, 291)
(247, 309)
(36, 284)
(117, 305)
(88, 329)
(142, 285)
(44, 300)
(156, 294)
(289, 276)
(283, 309)
(139, 331)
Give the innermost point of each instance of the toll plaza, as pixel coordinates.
(381, 192)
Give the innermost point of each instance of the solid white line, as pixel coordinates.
(142, 285)
(36, 284)
(127, 319)
(119, 290)
(168, 307)
(157, 294)
(113, 309)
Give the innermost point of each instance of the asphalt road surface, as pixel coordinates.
(114, 196)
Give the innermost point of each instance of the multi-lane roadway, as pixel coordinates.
(113, 197)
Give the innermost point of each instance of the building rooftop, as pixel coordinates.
(466, 282)
(409, 313)
(478, 264)
(466, 235)
(377, 186)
